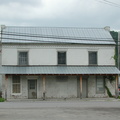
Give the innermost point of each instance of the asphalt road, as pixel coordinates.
(60, 110)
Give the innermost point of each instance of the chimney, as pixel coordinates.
(107, 28)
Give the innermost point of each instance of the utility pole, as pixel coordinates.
(119, 50)
(2, 27)
(118, 54)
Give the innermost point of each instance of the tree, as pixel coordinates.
(114, 35)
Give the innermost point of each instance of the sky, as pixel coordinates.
(61, 13)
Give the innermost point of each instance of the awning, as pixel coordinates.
(61, 70)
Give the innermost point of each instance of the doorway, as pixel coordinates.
(32, 89)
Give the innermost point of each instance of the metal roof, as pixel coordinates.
(56, 35)
(58, 70)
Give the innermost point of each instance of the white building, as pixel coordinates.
(41, 62)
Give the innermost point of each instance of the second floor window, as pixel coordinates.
(92, 58)
(23, 58)
(61, 58)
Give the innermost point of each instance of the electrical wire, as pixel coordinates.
(28, 36)
(109, 3)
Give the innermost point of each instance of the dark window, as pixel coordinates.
(92, 58)
(16, 84)
(61, 58)
(100, 84)
(23, 58)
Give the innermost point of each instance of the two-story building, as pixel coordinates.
(46, 62)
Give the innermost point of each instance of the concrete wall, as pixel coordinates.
(92, 87)
(54, 88)
(47, 54)
(57, 89)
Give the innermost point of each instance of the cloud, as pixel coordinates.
(59, 13)
(23, 2)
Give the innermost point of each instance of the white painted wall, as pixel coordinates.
(47, 55)
(9, 56)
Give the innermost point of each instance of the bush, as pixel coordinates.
(118, 97)
(2, 99)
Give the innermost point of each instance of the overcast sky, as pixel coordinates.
(61, 13)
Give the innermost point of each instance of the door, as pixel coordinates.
(32, 89)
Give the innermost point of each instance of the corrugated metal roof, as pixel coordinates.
(58, 70)
(56, 35)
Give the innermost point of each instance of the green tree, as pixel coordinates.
(114, 35)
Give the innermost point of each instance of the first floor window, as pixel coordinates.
(100, 84)
(16, 84)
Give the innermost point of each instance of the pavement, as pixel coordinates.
(62, 109)
(65, 99)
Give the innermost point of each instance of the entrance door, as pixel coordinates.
(32, 89)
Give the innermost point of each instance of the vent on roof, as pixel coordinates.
(107, 28)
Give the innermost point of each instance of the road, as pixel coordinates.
(60, 110)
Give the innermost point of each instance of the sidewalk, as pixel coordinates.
(66, 99)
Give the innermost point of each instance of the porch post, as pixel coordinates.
(116, 86)
(80, 86)
(43, 79)
(6, 84)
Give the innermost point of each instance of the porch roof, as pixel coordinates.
(61, 70)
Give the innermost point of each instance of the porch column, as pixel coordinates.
(80, 86)
(6, 84)
(43, 79)
(116, 86)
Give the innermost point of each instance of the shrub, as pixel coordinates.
(2, 99)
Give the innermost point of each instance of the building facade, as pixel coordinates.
(41, 63)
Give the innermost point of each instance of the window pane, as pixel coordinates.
(16, 88)
(23, 58)
(32, 85)
(93, 58)
(16, 79)
(61, 57)
(16, 84)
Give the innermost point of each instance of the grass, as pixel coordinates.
(2, 99)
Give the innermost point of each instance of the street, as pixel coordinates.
(60, 110)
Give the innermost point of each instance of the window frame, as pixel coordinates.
(19, 58)
(96, 57)
(102, 78)
(16, 83)
(65, 58)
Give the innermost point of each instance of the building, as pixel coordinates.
(46, 62)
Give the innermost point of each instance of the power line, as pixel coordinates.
(27, 37)
(109, 3)
(54, 37)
